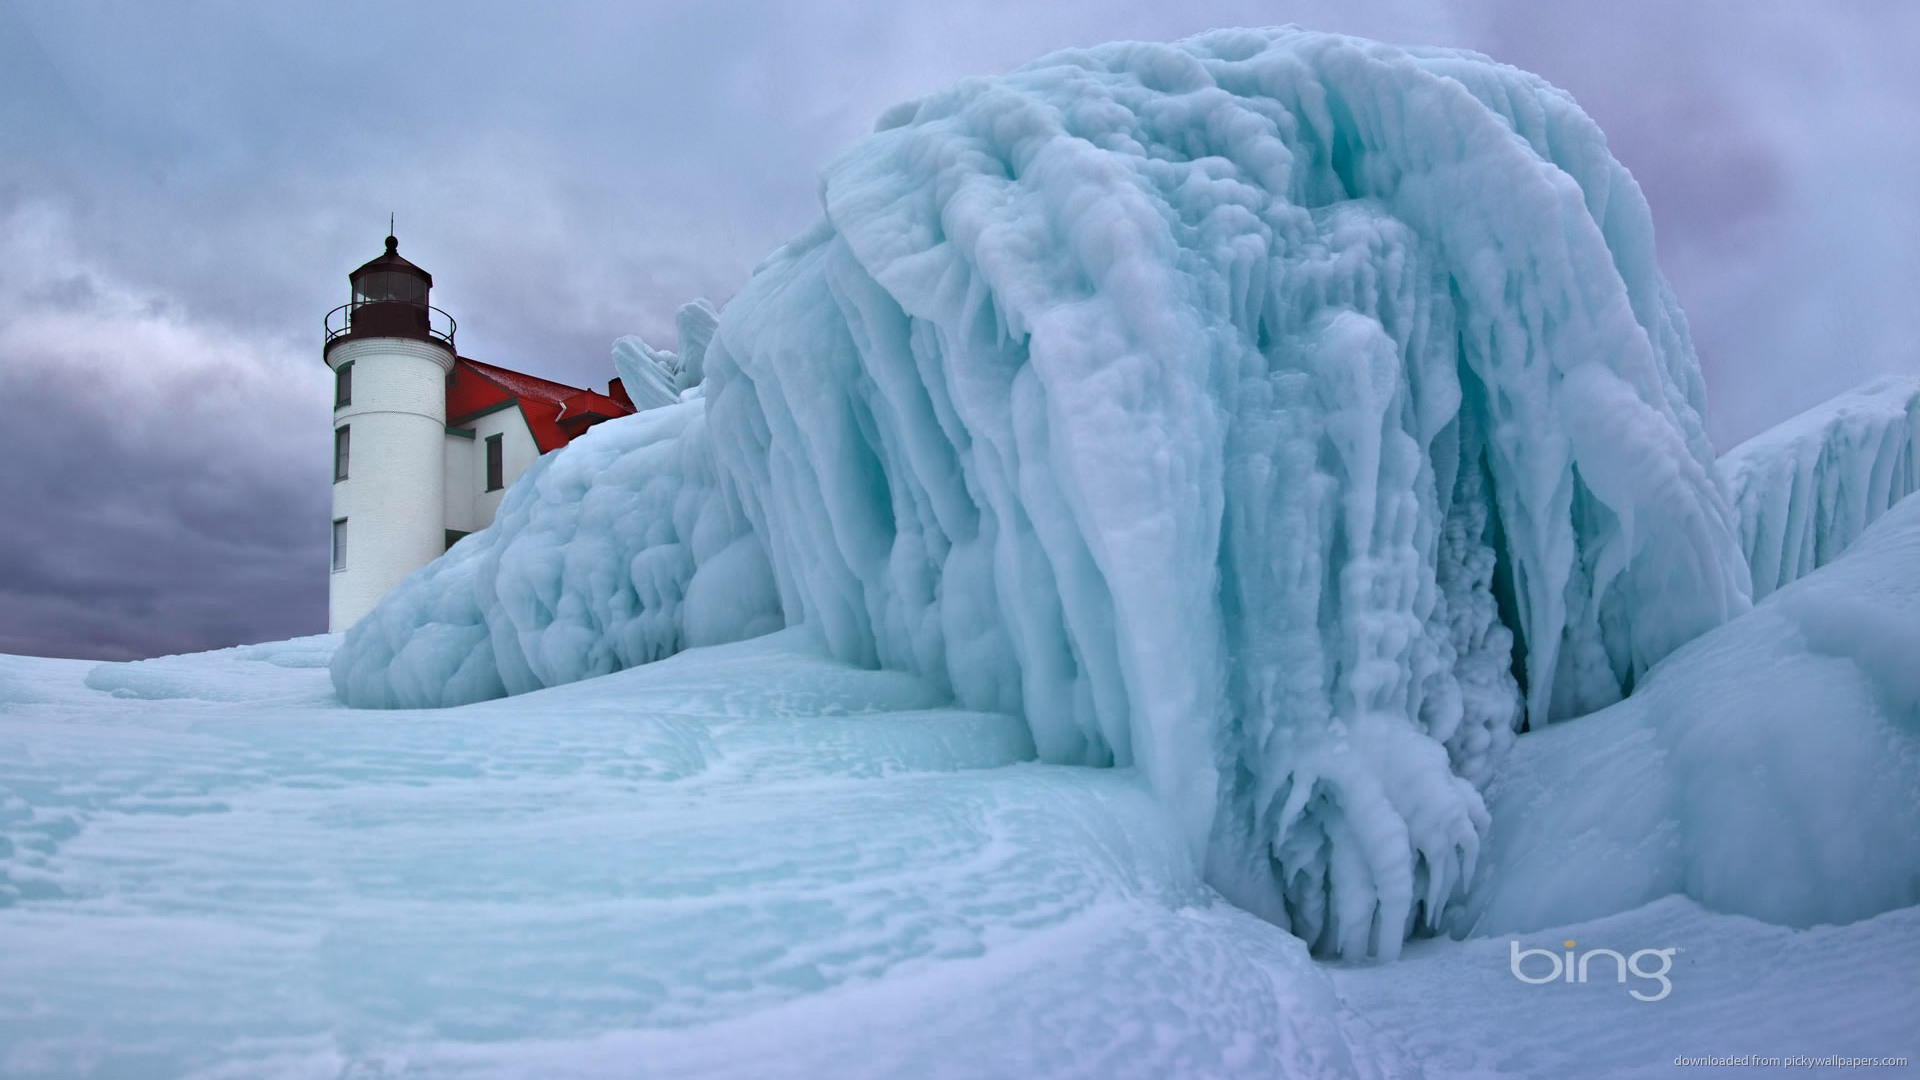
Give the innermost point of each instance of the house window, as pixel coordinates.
(343, 386)
(340, 543)
(341, 437)
(496, 463)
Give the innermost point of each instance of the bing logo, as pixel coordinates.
(1575, 968)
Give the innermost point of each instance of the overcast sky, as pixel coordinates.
(184, 186)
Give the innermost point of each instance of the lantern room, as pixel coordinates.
(389, 299)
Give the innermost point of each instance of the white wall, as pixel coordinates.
(462, 459)
(518, 451)
(394, 498)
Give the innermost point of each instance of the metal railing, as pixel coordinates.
(388, 318)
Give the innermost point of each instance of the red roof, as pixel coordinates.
(556, 413)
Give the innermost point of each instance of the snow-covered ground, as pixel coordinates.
(744, 861)
(749, 861)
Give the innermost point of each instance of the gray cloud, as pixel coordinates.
(136, 539)
(1776, 147)
(183, 188)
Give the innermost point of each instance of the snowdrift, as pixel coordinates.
(1282, 415)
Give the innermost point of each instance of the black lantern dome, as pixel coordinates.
(389, 300)
(391, 278)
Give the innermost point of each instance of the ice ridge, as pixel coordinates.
(1809, 487)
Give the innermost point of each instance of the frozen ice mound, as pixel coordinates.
(1205, 403)
(1770, 768)
(621, 549)
(1282, 414)
(1808, 487)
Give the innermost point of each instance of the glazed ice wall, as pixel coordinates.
(1208, 402)
(1809, 487)
(620, 549)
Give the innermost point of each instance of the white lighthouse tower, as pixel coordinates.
(391, 354)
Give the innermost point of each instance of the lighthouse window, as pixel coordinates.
(343, 386)
(340, 544)
(379, 285)
(496, 463)
(342, 436)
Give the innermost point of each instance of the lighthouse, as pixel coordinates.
(391, 353)
(425, 441)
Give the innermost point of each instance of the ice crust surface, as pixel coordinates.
(1246, 412)
(750, 861)
(753, 861)
(1746, 987)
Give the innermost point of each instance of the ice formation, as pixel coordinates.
(622, 550)
(1807, 488)
(1280, 414)
(651, 376)
(655, 377)
(695, 323)
(1767, 769)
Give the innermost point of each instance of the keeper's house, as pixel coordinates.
(425, 441)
